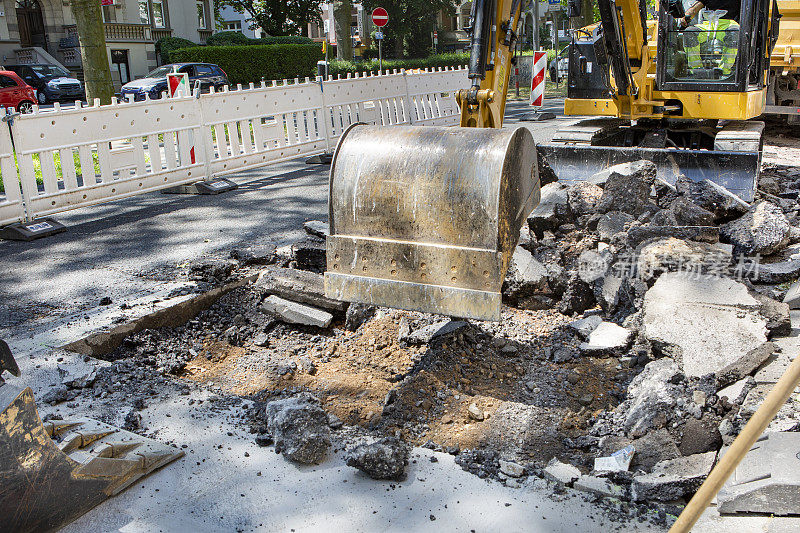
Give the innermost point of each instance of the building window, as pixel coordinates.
(158, 14)
(235, 25)
(144, 12)
(201, 15)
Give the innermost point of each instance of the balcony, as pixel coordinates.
(71, 57)
(161, 33)
(127, 33)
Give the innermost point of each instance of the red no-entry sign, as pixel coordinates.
(380, 17)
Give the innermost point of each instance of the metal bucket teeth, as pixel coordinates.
(47, 483)
(427, 218)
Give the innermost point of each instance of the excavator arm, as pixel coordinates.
(492, 30)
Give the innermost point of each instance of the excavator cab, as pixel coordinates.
(717, 50)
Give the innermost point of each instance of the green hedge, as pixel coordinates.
(167, 45)
(455, 59)
(235, 38)
(245, 64)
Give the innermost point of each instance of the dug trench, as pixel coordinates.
(636, 323)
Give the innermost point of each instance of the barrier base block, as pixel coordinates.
(28, 231)
(320, 159)
(537, 116)
(215, 186)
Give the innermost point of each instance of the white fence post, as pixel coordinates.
(407, 100)
(12, 208)
(324, 114)
(205, 140)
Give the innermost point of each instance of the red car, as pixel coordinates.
(15, 93)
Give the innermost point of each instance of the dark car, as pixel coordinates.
(52, 83)
(155, 82)
(15, 93)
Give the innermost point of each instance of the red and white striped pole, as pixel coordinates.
(537, 82)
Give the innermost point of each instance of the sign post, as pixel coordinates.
(537, 88)
(380, 17)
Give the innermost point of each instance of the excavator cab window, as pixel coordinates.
(712, 49)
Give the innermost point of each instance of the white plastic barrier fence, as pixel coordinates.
(11, 207)
(429, 106)
(71, 158)
(85, 156)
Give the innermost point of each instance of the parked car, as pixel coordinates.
(559, 66)
(15, 93)
(52, 83)
(155, 82)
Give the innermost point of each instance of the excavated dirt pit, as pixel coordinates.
(423, 393)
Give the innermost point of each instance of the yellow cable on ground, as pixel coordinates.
(743, 443)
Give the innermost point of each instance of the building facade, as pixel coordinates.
(231, 20)
(43, 31)
(360, 27)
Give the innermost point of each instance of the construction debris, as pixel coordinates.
(633, 323)
(559, 472)
(300, 428)
(599, 486)
(674, 478)
(763, 230)
(606, 338)
(295, 313)
(619, 461)
(384, 459)
(705, 322)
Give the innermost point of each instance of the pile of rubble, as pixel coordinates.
(638, 340)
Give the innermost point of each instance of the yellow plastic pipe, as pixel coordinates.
(743, 443)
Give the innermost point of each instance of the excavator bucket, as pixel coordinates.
(53, 472)
(427, 218)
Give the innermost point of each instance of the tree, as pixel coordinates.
(278, 17)
(92, 38)
(411, 23)
(343, 18)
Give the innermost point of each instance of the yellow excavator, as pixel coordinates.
(427, 218)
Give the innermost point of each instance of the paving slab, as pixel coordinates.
(561, 472)
(767, 480)
(296, 313)
(706, 322)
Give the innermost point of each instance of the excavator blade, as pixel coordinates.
(427, 218)
(53, 472)
(736, 171)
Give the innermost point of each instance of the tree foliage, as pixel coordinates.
(411, 23)
(278, 17)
